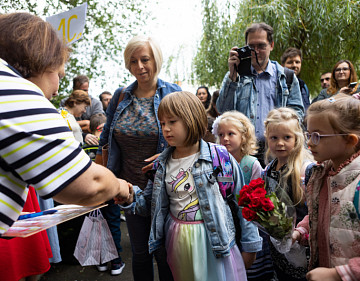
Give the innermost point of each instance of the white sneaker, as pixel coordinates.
(117, 268)
(102, 267)
(122, 217)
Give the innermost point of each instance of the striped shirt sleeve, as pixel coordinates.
(36, 146)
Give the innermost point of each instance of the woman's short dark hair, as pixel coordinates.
(76, 97)
(30, 44)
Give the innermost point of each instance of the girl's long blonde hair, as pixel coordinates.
(299, 154)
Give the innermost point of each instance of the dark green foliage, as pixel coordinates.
(325, 30)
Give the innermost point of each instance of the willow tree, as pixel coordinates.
(109, 25)
(325, 30)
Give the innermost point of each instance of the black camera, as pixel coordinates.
(244, 54)
(352, 85)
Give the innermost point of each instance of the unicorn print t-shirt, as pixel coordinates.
(184, 202)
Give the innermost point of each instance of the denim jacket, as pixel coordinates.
(242, 95)
(113, 113)
(215, 211)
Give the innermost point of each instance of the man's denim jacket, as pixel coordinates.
(215, 211)
(113, 113)
(242, 95)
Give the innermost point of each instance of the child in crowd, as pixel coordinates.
(96, 124)
(188, 211)
(285, 143)
(235, 131)
(332, 193)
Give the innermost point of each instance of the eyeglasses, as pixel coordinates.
(261, 46)
(315, 136)
(324, 79)
(342, 69)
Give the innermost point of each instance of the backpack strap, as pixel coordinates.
(357, 199)
(246, 165)
(223, 172)
(289, 74)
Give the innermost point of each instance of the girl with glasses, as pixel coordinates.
(343, 73)
(285, 144)
(333, 190)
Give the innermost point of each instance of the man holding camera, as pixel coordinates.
(255, 85)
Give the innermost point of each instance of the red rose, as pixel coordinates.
(258, 193)
(249, 214)
(255, 202)
(244, 198)
(245, 188)
(256, 183)
(267, 204)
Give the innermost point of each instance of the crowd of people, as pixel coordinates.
(147, 151)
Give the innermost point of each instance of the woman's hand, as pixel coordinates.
(149, 166)
(91, 139)
(322, 274)
(129, 198)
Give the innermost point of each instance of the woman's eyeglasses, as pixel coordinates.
(315, 136)
(342, 69)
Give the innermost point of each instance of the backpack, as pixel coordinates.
(223, 174)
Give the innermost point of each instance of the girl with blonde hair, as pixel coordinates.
(285, 143)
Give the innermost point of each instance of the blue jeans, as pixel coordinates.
(112, 215)
(142, 261)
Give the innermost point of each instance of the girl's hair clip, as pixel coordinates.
(331, 100)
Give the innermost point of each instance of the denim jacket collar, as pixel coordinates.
(159, 84)
(204, 153)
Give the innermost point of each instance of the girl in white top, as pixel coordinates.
(75, 106)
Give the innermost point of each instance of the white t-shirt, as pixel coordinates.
(180, 186)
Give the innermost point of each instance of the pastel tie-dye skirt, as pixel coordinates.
(190, 256)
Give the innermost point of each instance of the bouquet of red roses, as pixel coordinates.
(268, 210)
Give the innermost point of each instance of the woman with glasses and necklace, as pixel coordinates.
(343, 73)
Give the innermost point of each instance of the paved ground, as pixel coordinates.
(72, 272)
